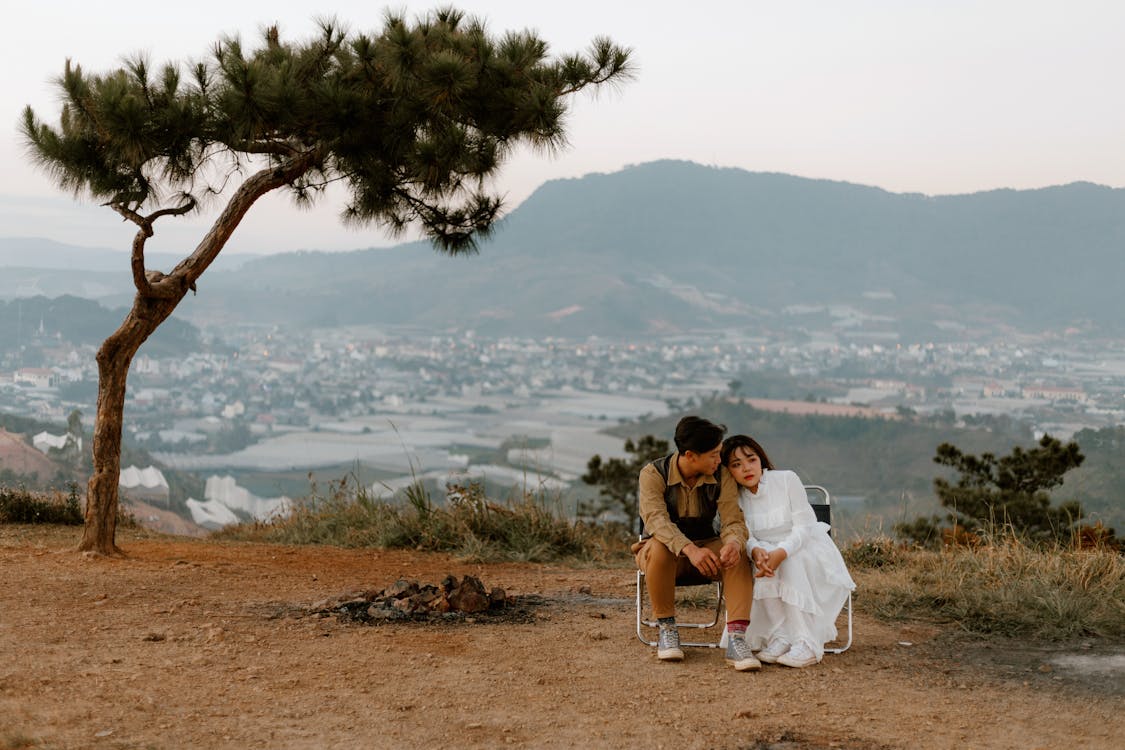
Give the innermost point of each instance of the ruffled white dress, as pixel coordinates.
(806, 593)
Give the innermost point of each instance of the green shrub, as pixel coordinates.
(21, 506)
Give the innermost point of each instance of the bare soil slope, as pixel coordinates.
(20, 456)
(197, 644)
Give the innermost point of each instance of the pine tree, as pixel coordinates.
(616, 479)
(1010, 492)
(413, 120)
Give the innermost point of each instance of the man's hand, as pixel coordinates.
(730, 554)
(704, 560)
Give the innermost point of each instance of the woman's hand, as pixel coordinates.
(770, 563)
(759, 556)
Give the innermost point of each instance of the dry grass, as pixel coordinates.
(1001, 587)
(478, 530)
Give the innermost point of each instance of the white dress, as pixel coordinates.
(807, 591)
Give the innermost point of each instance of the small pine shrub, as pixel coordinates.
(22, 506)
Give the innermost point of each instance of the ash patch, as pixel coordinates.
(791, 740)
(451, 601)
(1093, 665)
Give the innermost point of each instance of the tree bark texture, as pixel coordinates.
(114, 359)
(157, 296)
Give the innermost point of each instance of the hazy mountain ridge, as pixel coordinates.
(669, 246)
(75, 320)
(41, 253)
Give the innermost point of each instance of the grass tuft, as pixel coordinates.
(478, 530)
(1004, 588)
(877, 552)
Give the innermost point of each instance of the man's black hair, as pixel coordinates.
(698, 435)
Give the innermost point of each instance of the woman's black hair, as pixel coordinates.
(750, 444)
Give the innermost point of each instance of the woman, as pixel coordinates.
(801, 581)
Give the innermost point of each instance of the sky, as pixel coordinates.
(922, 96)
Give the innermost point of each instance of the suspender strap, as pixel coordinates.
(697, 527)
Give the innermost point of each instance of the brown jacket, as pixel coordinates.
(654, 513)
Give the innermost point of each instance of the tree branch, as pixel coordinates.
(130, 215)
(273, 147)
(177, 211)
(137, 261)
(148, 284)
(254, 187)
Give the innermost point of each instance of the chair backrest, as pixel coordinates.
(821, 502)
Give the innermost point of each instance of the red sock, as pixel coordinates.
(737, 626)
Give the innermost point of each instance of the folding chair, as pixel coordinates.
(821, 502)
(692, 578)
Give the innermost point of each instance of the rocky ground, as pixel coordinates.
(196, 644)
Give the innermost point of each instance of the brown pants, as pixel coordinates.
(661, 569)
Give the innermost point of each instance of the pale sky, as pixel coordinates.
(927, 96)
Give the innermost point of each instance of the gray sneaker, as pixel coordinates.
(668, 644)
(739, 654)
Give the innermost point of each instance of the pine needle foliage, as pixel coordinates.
(616, 479)
(1011, 491)
(414, 119)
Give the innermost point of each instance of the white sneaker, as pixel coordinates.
(798, 656)
(773, 650)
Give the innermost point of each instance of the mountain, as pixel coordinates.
(39, 321)
(672, 246)
(37, 252)
(33, 266)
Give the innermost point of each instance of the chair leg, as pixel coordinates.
(847, 644)
(643, 623)
(640, 605)
(718, 605)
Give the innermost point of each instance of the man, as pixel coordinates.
(678, 499)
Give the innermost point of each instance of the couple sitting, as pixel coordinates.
(797, 583)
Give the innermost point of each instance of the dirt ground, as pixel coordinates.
(195, 644)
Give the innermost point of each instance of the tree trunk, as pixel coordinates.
(114, 359)
(157, 296)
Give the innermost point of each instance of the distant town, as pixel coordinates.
(521, 410)
(267, 379)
